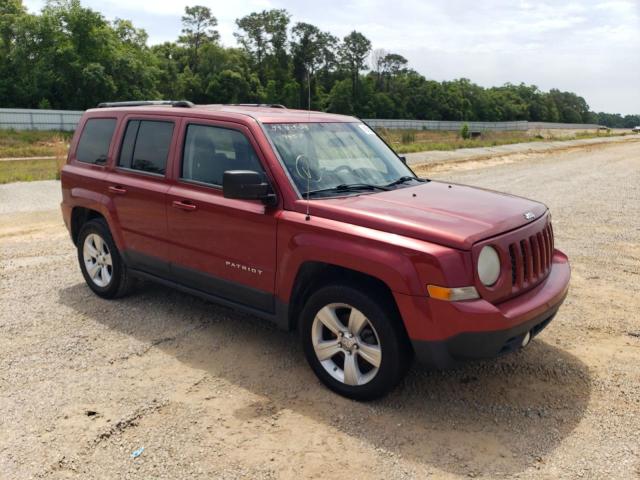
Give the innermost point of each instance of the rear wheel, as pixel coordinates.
(354, 344)
(100, 262)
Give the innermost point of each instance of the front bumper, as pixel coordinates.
(456, 331)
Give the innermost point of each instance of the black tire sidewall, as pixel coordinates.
(395, 352)
(99, 227)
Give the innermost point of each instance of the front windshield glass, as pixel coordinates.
(328, 158)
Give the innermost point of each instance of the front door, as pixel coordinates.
(138, 187)
(221, 246)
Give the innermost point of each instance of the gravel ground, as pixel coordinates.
(482, 153)
(210, 393)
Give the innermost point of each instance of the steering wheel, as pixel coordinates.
(304, 170)
(343, 167)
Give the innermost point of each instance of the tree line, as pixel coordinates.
(71, 57)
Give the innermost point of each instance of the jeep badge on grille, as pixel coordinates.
(529, 215)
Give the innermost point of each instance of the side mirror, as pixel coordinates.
(246, 185)
(403, 159)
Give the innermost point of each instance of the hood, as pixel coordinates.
(448, 214)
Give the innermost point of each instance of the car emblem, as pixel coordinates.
(529, 215)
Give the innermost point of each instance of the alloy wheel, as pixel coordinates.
(346, 344)
(97, 260)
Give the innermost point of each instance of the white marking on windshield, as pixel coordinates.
(366, 129)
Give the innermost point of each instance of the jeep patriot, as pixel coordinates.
(311, 221)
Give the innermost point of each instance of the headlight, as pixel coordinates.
(488, 266)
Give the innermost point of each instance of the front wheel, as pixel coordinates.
(354, 344)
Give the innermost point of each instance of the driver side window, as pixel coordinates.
(210, 151)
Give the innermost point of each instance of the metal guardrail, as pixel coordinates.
(32, 119)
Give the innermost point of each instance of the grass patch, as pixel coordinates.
(33, 143)
(411, 141)
(29, 170)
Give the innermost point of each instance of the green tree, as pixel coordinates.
(291, 94)
(198, 28)
(305, 49)
(188, 85)
(382, 105)
(171, 60)
(390, 66)
(353, 54)
(228, 87)
(571, 107)
(271, 92)
(264, 36)
(75, 59)
(71, 57)
(312, 51)
(340, 98)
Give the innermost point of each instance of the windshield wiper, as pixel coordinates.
(349, 187)
(403, 179)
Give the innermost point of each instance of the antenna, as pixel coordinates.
(309, 93)
(308, 217)
(304, 171)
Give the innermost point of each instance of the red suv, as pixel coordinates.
(311, 221)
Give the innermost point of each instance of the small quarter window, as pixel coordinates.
(210, 151)
(145, 146)
(93, 146)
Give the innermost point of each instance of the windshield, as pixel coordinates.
(327, 159)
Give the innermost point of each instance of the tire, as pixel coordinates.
(100, 261)
(370, 353)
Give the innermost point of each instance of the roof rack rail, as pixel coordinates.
(142, 103)
(267, 105)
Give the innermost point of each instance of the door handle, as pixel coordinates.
(184, 205)
(117, 189)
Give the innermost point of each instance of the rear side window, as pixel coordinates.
(211, 151)
(93, 146)
(145, 146)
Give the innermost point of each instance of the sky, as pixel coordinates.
(590, 47)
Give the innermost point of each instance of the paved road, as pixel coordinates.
(210, 393)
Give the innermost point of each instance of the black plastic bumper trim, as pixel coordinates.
(478, 345)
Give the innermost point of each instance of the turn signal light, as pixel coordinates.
(455, 294)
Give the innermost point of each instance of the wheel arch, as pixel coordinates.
(80, 216)
(313, 275)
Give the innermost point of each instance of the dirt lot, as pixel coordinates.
(213, 394)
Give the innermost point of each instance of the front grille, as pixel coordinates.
(531, 258)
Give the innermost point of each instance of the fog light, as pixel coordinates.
(455, 294)
(526, 339)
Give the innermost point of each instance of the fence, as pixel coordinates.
(23, 119)
(474, 126)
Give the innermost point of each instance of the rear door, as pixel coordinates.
(221, 246)
(138, 186)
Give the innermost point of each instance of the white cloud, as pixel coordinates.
(590, 46)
